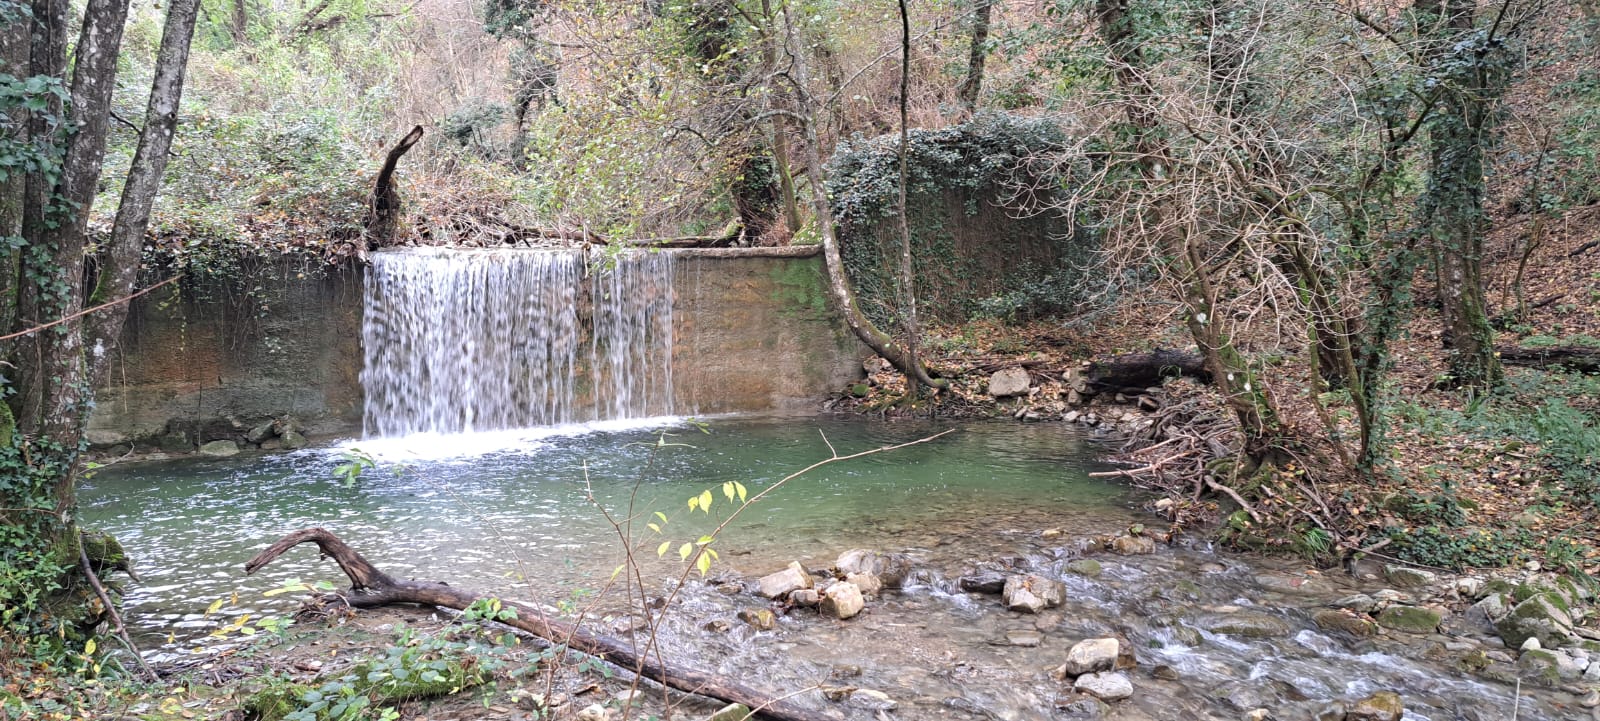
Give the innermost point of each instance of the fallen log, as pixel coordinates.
(1583, 360)
(1131, 373)
(370, 587)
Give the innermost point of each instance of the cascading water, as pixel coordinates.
(478, 340)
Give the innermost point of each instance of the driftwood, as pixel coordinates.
(1132, 373)
(383, 209)
(1583, 360)
(370, 587)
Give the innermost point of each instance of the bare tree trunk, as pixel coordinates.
(972, 86)
(120, 265)
(838, 281)
(780, 139)
(908, 276)
(383, 209)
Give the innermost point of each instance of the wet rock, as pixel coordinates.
(1259, 714)
(868, 583)
(1134, 545)
(1009, 382)
(1050, 534)
(1244, 695)
(1381, 706)
(220, 449)
(1328, 619)
(1407, 577)
(592, 712)
(1411, 619)
(870, 700)
(260, 433)
(292, 440)
(1024, 637)
(805, 597)
(1590, 700)
(1033, 593)
(784, 582)
(1359, 603)
(760, 618)
(1543, 617)
(1549, 668)
(1081, 707)
(1165, 673)
(842, 600)
(1113, 686)
(1213, 567)
(1247, 625)
(890, 568)
(718, 625)
(984, 582)
(1285, 583)
(1095, 654)
(1085, 567)
(732, 712)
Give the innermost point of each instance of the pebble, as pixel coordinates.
(1590, 700)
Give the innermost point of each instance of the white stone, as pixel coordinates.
(1095, 654)
(871, 700)
(784, 582)
(1532, 644)
(842, 600)
(1009, 382)
(1105, 686)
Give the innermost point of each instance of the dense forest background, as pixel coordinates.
(1368, 219)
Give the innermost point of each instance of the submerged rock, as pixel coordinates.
(1033, 593)
(1328, 619)
(1095, 654)
(784, 582)
(760, 618)
(1247, 625)
(1381, 706)
(1081, 707)
(866, 698)
(1085, 567)
(867, 582)
(842, 600)
(1024, 637)
(1411, 619)
(1111, 686)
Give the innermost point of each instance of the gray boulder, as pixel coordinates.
(1095, 654)
(219, 449)
(1544, 617)
(890, 568)
(1033, 593)
(1009, 382)
(1105, 686)
(782, 583)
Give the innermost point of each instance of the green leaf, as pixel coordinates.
(703, 563)
(704, 540)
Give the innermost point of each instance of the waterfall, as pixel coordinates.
(478, 340)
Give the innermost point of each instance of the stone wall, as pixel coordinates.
(753, 332)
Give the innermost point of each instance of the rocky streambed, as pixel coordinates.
(1052, 627)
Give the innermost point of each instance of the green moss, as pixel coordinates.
(8, 424)
(1411, 619)
(799, 288)
(279, 699)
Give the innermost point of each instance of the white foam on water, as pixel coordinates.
(432, 447)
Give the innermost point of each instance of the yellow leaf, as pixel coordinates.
(215, 605)
(703, 563)
(705, 500)
(737, 486)
(653, 527)
(704, 540)
(685, 550)
(727, 490)
(694, 503)
(662, 516)
(618, 570)
(88, 648)
(662, 549)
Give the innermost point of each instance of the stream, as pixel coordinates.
(486, 510)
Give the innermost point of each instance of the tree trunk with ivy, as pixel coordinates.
(1473, 70)
(52, 391)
